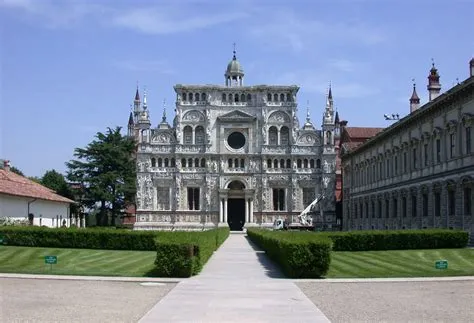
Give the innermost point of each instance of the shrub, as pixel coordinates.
(398, 239)
(299, 254)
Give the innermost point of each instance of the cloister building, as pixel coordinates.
(419, 172)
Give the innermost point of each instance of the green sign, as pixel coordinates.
(441, 264)
(51, 260)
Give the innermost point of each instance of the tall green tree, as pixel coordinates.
(56, 181)
(106, 170)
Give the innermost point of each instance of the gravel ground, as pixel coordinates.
(442, 301)
(40, 300)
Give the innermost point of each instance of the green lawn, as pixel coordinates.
(28, 260)
(401, 263)
(364, 264)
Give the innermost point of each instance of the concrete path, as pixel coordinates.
(238, 284)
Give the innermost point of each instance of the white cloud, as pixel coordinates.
(343, 65)
(283, 28)
(167, 20)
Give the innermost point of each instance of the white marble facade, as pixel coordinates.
(235, 155)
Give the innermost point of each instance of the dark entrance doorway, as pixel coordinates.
(236, 214)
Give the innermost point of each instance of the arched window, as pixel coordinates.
(199, 135)
(269, 163)
(288, 97)
(249, 97)
(275, 163)
(184, 97)
(236, 98)
(229, 163)
(242, 163)
(328, 138)
(284, 136)
(203, 97)
(282, 163)
(298, 163)
(224, 97)
(190, 162)
(305, 163)
(231, 98)
(318, 163)
(203, 162)
(242, 97)
(190, 96)
(197, 97)
(275, 97)
(183, 162)
(236, 163)
(173, 163)
(153, 162)
(288, 163)
(167, 162)
(196, 162)
(160, 162)
(311, 163)
(282, 97)
(272, 136)
(188, 135)
(269, 97)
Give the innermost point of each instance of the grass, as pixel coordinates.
(88, 262)
(362, 264)
(401, 263)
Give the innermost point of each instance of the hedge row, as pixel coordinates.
(299, 255)
(33, 236)
(182, 254)
(398, 239)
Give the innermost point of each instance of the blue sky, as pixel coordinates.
(70, 68)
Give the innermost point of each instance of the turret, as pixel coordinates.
(414, 99)
(328, 120)
(434, 87)
(234, 75)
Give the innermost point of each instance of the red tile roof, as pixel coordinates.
(362, 132)
(16, 185)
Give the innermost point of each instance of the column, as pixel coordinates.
(278, 138)
(225, 210)
(221, 211)
(193, 134)
(247, 211)
(251, 211)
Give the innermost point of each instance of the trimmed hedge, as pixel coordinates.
(182, 254)
(398, 239)
(299, 255)
(32, 236)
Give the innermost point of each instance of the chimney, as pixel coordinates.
(471, 67)
(6, 165)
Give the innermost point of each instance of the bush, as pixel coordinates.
(183, 254)
(398, 239)
(299, 254)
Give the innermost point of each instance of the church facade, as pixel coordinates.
(235, 155)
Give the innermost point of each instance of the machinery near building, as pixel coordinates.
(305, 219)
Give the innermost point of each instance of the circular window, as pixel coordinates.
(236, 140)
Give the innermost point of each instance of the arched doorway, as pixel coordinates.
(236, 206)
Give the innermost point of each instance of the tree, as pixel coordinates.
(106, 170)
(56, 181)
(16, 171)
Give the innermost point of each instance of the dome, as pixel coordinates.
(234, 67)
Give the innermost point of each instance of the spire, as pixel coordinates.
(144, 99)
(163, 119)
(234, 58)
(434, 87)
(330, 92)
(130, 119)
(336, 120)
(414, 96)
(414, 99)
(137, 95)
(308, 119)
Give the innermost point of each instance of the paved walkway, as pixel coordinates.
(238, 284)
